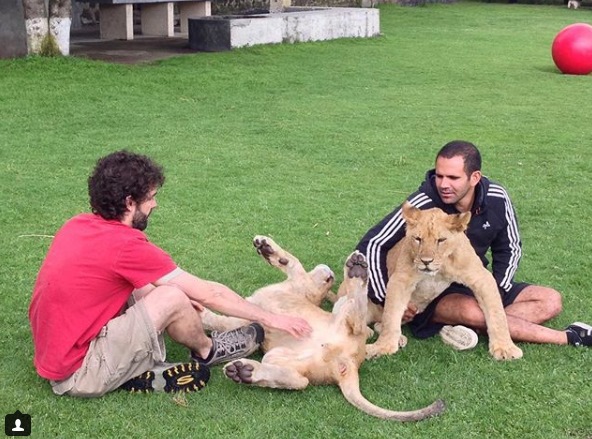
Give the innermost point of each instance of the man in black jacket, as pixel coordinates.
(457, 185)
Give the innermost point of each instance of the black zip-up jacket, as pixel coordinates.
(493, 226)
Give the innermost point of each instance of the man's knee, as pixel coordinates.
(458, 309)
(550, 302)
(553, 302)
(472, 315)
(165, 303)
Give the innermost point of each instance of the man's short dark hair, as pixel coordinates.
(119, 175)
(469, 152)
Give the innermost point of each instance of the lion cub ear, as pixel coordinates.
(459, 222)
(410, 213)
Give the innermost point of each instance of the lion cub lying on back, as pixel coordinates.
(434, 253)
(336, 348)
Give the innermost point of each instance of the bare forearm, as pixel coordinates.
(222, 299)
(227, 302)
(218, 297)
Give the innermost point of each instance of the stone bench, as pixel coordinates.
(293, 24)
(156, 16)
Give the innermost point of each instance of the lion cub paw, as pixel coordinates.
(511, 352)
(376, 350)
(270, 251)
(356, 266)
(240, 371)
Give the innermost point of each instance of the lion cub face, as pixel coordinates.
(432, 236)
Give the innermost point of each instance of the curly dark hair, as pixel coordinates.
(119, 175)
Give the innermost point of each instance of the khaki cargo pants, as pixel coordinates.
(127, 346)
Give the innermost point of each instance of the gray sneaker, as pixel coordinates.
(231, 345)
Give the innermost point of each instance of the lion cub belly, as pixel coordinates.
(427, 289)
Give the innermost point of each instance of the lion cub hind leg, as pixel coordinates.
(350, 310)
(264, 375)
(356, 267)
(278, 257)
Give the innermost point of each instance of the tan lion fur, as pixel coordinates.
(434, 253)
(337, 347)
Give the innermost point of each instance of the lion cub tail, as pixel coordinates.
(350, 387)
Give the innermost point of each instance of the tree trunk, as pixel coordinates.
(36, 23)
(60, 21)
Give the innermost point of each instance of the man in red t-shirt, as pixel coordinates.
(104, 296)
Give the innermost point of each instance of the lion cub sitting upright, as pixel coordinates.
(434, 253)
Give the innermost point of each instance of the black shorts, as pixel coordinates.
(422, 325)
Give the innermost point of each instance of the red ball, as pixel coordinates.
(572, 49)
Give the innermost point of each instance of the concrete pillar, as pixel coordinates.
(77, 9)
(12, 29)
(158, 19)
(117, 22)
(276, 6)
(193, 10)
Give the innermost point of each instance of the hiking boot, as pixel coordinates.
(459, 337)
(170, 377)
(579, 334)
(231, 345)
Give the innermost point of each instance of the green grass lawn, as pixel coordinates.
(312, 144)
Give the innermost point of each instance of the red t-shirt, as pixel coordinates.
(91, 268)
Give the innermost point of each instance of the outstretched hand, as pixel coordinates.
(294, 326)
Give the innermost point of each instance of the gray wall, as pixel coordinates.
(13, 36)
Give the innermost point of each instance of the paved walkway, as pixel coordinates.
(87, 44)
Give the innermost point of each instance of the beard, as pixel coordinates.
(452, 197)
(140, 221)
